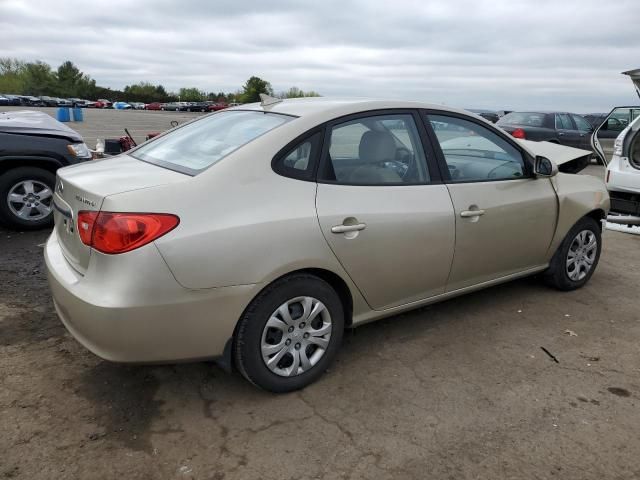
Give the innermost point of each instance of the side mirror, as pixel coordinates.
(544, 167)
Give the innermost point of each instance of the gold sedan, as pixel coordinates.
(257, 234)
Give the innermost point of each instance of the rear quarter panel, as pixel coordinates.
(240, 222)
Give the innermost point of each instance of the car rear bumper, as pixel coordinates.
(133, 310)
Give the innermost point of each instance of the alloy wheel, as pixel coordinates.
(581, 255)
(30, 200)
(296, 336)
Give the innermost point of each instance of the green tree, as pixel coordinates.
(190, 95)
(39, 79)
(252, 89)
(11, 76)
(295, 92)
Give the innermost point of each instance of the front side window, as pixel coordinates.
(474, 153)
(376, 150)
(200, 144)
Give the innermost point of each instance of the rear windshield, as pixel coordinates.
(529, 119)
(198, 145)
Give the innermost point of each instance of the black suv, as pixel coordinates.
(33, 146)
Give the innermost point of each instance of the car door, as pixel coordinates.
(584, 129)
(505, 217)
(605, 135)
(382, 208)
(567, 132)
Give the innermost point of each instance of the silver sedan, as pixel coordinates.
(257, 234)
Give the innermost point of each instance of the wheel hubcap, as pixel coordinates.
(581, 255)
(30, 200)
(296, 336)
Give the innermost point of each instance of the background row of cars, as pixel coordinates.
(46, 101)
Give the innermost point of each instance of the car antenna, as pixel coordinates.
(268, 100)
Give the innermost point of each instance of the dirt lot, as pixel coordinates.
(456, 390)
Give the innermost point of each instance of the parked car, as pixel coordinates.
(153, 106)
(623, 171)
(30, 101)
(103, 103)
(137, 105)
(171, 106)
(33, 146)
(122, 106)
(217, 106)
(194, 107)
(563, 128)
(486, 114)
(78, 102)
(595, 119)
(288, 238)
(12, 100)
(49, 101)
(64, 102)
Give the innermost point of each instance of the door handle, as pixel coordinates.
(471, 213)
(560, 134)
(348, 228)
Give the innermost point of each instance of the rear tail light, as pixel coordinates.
(111, 232)
(519, 133)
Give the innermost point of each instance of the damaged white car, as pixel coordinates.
(617, 142)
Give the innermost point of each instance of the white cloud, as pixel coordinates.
(483, 54)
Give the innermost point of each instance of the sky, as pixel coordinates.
(512, 54)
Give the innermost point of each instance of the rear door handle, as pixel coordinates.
(471, 213)
(348, 228)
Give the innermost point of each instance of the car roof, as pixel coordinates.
(327, 108)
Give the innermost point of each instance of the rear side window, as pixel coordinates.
(529, 119)
(299, 160)
(376, 150)
(581, 123)
(198, 145)
(563, 122)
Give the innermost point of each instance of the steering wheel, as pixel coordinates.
(403, 162)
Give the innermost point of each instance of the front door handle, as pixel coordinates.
(348, 228)
(471, 213)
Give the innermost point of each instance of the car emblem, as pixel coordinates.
(60, 187)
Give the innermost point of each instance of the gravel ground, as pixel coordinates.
(457, 390)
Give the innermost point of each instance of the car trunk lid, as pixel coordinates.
(85, 186)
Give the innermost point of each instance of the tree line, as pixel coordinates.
(38, 78)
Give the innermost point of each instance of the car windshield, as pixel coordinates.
(523, 118)
(198, 145)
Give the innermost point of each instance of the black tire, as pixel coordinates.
(248, 338)
(557, 275)
(8, 180)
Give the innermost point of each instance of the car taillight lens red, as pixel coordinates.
(519, 133)
(111, 232)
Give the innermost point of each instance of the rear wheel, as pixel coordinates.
(289, 334)
(26, 198)
(577, 257)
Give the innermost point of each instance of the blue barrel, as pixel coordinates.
(77, 114)
(63, 114)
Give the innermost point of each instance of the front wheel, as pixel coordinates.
(289, 334)
(26, 198)
(576, 259)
